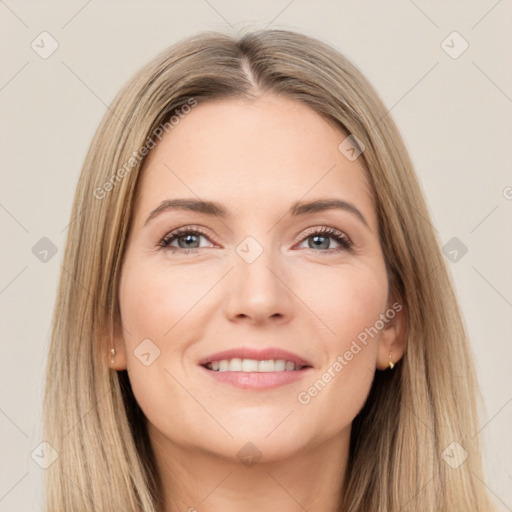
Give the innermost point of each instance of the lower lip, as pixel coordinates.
(257, 380)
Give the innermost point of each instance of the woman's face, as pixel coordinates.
(269, 278)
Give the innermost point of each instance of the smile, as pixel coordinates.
(237, 364)
(255, 368)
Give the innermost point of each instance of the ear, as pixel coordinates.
(112, 338)
(393, 338)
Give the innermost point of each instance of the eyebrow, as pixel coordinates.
(299, 208)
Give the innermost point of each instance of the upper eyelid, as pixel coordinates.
(328, 230)
(188, 229)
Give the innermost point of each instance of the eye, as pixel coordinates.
(187, 240)
(319, 239)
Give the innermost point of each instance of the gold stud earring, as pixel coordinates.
(113, 353)
(391, 364)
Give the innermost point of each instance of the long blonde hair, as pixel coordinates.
(412, 415)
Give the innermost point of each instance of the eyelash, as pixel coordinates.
(338, 236)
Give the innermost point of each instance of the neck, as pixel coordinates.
(194, 480)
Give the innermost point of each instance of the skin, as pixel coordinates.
(256, 158)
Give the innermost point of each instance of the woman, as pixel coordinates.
(254, 313)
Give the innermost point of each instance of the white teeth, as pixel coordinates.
(235, 365)
(252, 365)
(279, 365)
(249, 365)
(266, 366)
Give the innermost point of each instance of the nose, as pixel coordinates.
(259, 292)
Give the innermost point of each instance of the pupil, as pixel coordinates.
(188, 238)
(324, 245)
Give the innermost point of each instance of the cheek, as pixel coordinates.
(350, 306)
(360, 301)
(348, 301)
(156, 309)
(155, 301)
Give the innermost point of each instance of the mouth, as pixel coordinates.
(257, 369)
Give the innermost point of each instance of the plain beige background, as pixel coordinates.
(453, 107)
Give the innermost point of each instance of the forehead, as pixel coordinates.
(268, 151)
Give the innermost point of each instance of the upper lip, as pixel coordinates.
(262, 354)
